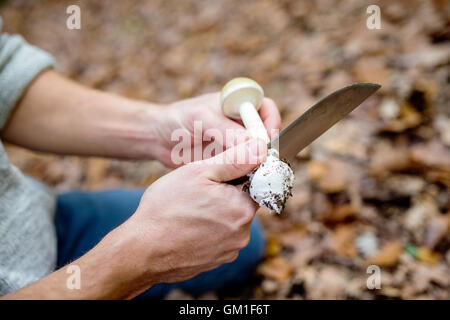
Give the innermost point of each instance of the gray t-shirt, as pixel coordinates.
(27, 232)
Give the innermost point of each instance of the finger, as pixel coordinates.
(231, 132)
(270, 115)
(248, 202)
(212, 99)
(235, 162)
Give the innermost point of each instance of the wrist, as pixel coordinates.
(141, 130)
(114, 269)
(126, 271)
(158, 121)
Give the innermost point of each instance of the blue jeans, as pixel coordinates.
(83, 218)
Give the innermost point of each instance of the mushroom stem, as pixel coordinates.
(252, 121)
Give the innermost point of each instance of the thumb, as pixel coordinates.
(235, 162)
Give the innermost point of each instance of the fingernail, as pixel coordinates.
(257, 148)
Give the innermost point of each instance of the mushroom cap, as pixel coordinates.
(238, 91)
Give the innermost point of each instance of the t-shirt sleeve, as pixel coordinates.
(20, 63)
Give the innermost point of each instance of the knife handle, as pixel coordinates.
(238, 181)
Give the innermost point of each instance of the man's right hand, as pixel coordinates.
(191, 220)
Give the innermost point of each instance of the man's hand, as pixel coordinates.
(206, 111)
(188, 222)
(60, 116)
(202, 222)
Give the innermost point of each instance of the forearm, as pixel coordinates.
(109, 271)
(59, 116)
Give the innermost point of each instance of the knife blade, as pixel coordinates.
(320, 117)
(316, 120)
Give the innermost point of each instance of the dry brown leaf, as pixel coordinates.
(321, 206)
(178, 294)
(442, 124)
(330, 176)
(277, 268)
(404, 185)
(349, 137)
(431, 154)
(418, 214)
(273, 247)
(305, 250)
(388, 255)
(97, 169)
(342, 241)
(437, 227)
(372, 69)
(408, 118)
(326, 283)
(386, 157)
(292, 236)
(339, 213)
(301, 197)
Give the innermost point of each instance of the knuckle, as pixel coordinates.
(244, 241)
(269, 100)
(232, 257)
(246, 214)
(234, 225)
(249, 214)
(240, 218)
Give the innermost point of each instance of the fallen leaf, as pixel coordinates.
(426, 255)
(437, 227)
(178, 294)
(431, 154)
(372, 69)
(342, 241)
(331, 176)
(388, 254)
(338, 213)
(273, 247)
(419, 213)
(96, 171)
(387, 156)
(442, 124)
(305, 250)
(277, 268)
(407, 118)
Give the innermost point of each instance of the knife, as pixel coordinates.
(320, 117)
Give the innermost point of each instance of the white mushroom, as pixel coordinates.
(271, 184)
